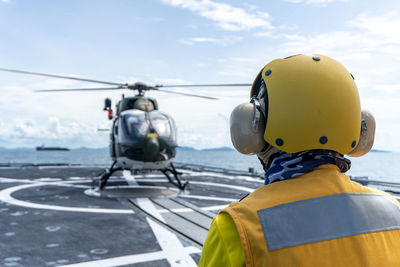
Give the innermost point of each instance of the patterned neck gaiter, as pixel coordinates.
(285, 165)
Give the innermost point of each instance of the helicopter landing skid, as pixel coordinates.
(177, 175)
(106, 174)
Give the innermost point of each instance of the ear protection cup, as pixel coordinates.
(247, 126)
(367, 135)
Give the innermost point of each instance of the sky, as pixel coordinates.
(182, 42)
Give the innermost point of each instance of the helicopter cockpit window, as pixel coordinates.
(164, 126)
(136, 124)
(133, 126)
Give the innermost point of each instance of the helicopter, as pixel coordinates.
(142, 138)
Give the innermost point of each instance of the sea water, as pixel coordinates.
(382, 166)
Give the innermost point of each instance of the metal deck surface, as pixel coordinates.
(50, 216)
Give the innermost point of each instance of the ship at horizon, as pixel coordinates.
(51, 148)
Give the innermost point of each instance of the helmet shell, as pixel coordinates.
(313, 103)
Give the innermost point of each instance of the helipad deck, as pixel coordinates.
(51, 216)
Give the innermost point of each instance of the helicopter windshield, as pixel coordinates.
(135, 124)
(164, 126)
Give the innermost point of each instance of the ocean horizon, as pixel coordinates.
(374, 165)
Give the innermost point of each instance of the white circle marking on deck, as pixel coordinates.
(5, 196)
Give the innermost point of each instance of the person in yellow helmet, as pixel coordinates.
(303, 117)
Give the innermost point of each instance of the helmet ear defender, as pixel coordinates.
(367, 135)
(247, 125)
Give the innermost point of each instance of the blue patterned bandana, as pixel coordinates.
(285, 165)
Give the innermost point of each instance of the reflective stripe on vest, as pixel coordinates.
(327, 217)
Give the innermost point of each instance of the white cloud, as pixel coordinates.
(168, 81)
(369, 47)
(386, 25)
(31, 133)
(314, 2)
(226, 16)
(23, 129)
(30, 119)
(54, 126)
(224, 41)
(366, 35)
(5, 1)
(244, 60)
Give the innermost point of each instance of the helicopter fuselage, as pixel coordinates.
(142, 137)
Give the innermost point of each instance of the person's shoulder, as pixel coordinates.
(380, 192)
(222, 246)
(365, 189)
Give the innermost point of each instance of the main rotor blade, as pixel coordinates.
(80, 89)
(204, 85)
(61, 77)
(180, 93)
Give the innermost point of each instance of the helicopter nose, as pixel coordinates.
(152, 148)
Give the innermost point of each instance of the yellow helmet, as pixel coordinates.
(311, 102)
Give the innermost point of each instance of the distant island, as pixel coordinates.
(224, 148)
(380, 151)
(186, 148)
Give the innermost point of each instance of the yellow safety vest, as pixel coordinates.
(321, 218)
